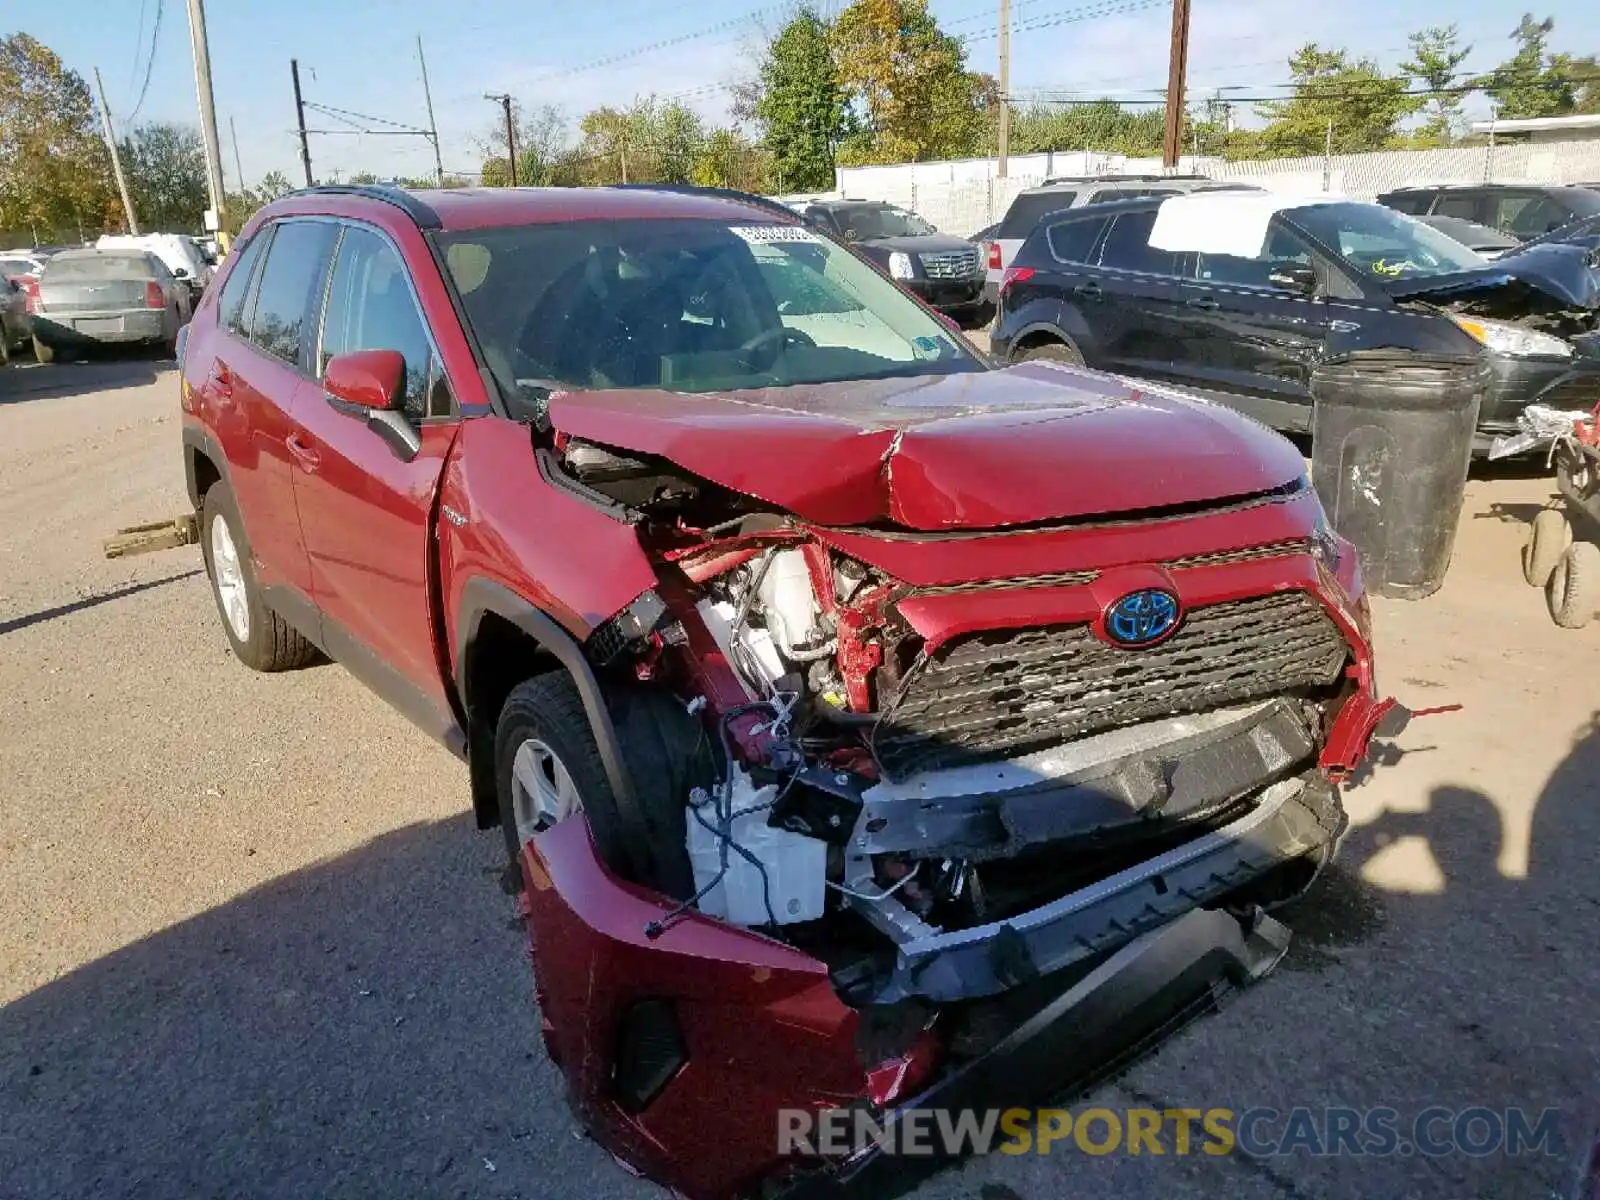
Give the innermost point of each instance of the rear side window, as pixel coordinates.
(370, 307)
(294, 266)
(1128, 246)
(1415, 203)
(230, 306)
(1526, 214)
(1026, 210)
(1074, 241)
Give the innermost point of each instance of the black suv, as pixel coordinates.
(1525, 211)
(1242, 294)
(945, 271)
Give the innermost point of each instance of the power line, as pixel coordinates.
(138, 40)
(149, 66)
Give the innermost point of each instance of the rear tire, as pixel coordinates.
(1548, 539)
(259, 637)
(1062, 352)
(1573, 593)
(42, 353)
(665, 752)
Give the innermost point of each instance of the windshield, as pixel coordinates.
(688, 306)
(1379, 241)
(99, 266)
(872, 221)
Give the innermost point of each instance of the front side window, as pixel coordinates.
(1464, 206)
(370, 307)
(1380, 242)
(1526, 215)
(230, 306)
(1283, 249)
(294, 265)
(686, 305)
(1128, 247)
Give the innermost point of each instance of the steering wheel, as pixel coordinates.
(781, 336)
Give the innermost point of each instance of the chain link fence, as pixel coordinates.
(965, 196)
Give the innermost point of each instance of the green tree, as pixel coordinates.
(542, 137)
(243, 205)
(1532, 82)
(166, 168)
(1436, 58)
(800, 105)
(648, 142)
(1363, 106)
(909, 81)
(1584, 74)
(1096, 125)
(55, 173)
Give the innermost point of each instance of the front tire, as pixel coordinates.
(548, 768)
(258, 636)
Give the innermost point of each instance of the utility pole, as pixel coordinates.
(1327, 159)
(1004, 139)
(208, 110)
(300, 119)
(503, 99)
(238, 166)
(1177, 79)
(116, 156)
(622, 148)
(433, 130)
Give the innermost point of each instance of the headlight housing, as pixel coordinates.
(1513, 340)
(900, 266)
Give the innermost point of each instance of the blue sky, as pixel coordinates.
(360, 55)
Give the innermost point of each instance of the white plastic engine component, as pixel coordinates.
(787, 598)
(796, 866)
(718, 617)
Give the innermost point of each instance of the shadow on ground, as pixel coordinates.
(103, 372)
(361, 1028)
(365, 1027)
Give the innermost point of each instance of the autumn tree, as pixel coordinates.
(543, 137)
(1436, 58)
(1532, 82)
(909, 81)
(55, 174)
(1362, 105)
(800, 104)
(166, 168)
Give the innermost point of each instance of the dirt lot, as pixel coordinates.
(250, 944)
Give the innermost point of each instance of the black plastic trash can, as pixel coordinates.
(1391, 438)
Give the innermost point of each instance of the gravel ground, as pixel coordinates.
(250, 944)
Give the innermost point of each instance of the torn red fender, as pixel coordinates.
(1362, 718)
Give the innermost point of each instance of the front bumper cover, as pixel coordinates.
(1139, 996)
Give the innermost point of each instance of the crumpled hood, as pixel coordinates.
(1548, 276)
(1033, 442)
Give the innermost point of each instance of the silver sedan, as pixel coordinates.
(88, 297)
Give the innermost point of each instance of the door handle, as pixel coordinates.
(303, 454)
(1205, 303)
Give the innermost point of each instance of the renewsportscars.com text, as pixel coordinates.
(1257, 1132)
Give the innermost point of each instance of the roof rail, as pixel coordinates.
(693, 189)
(422, 214)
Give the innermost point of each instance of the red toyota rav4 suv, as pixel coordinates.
(874, 728)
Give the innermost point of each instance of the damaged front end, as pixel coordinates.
(988, 799)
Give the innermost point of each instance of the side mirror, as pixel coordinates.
(371, 384)
(1292, 277)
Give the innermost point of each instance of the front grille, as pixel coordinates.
(953, 264)
(1058, 579)
(993, 695)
